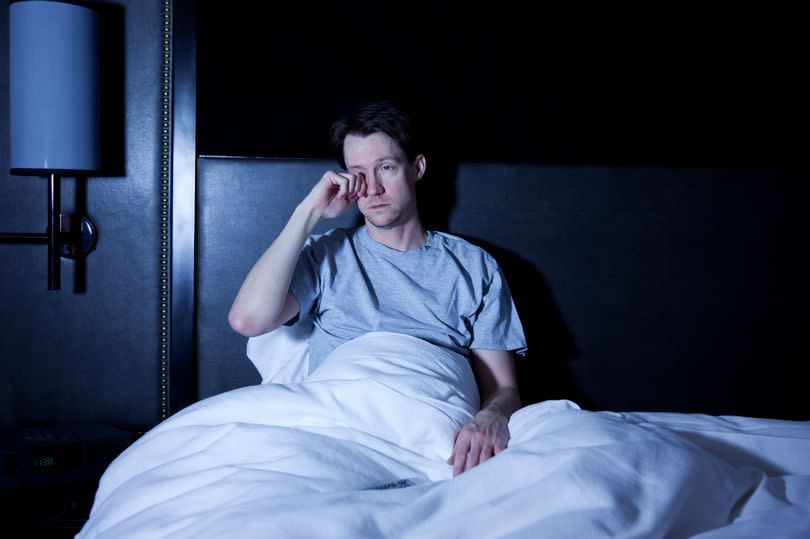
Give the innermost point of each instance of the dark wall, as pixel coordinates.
(509, 81)
(90, 352)
(505, 86)
(639, 288)
(716, 100)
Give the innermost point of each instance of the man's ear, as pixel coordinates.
(421, 164)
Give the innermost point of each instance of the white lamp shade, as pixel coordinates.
(54, 81)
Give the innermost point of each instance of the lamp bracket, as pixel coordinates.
(77, 235)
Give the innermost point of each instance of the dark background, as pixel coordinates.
(510, 81)
(505, 84)
(683, 140)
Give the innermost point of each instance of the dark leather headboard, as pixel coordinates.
(639, 288)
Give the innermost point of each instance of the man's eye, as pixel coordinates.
(387, 168)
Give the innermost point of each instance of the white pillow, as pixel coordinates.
(282, 355)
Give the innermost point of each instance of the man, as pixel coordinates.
(390, 274)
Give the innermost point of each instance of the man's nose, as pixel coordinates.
(373, 185)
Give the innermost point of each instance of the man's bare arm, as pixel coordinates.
(488, 433)
(264, 302)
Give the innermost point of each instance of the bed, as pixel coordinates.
(635, 424)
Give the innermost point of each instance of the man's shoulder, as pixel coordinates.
(464, 248)
(332, 241)
(332, 236)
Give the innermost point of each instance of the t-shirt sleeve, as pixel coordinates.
(305, 283)
(498, 326)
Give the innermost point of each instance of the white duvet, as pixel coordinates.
(359, 449)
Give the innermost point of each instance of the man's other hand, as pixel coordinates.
(481, 439)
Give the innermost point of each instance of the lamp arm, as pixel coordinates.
(23, 237)
(67, 236)
(54, 225)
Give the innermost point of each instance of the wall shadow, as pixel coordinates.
(112, 90)
(80, 262)
(544, 372)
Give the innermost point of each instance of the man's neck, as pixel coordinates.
(401, 238)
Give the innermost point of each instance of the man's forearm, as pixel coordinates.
(261, 297)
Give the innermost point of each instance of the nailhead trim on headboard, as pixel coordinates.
(165, 179)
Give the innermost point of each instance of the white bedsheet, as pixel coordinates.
(358, 449)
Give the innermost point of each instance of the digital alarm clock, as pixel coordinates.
(57, 455)
(45, 459)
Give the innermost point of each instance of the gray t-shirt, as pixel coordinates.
(450, 293)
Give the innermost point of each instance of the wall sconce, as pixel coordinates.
(54, 95)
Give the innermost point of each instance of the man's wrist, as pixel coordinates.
(491, 410)
(504, 403)
(308, 214)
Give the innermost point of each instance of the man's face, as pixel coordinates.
(390, 179)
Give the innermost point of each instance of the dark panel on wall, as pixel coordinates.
(653, 288)
(640, 289)
(509, 81)
(89, 352)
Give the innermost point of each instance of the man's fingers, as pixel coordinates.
(460, 450)
(486, 453)
(473, 457)
(340, 181)
(355, 185)
(359, 186)
(473, 447)
(459, 462)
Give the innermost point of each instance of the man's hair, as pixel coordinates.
(380, 116)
